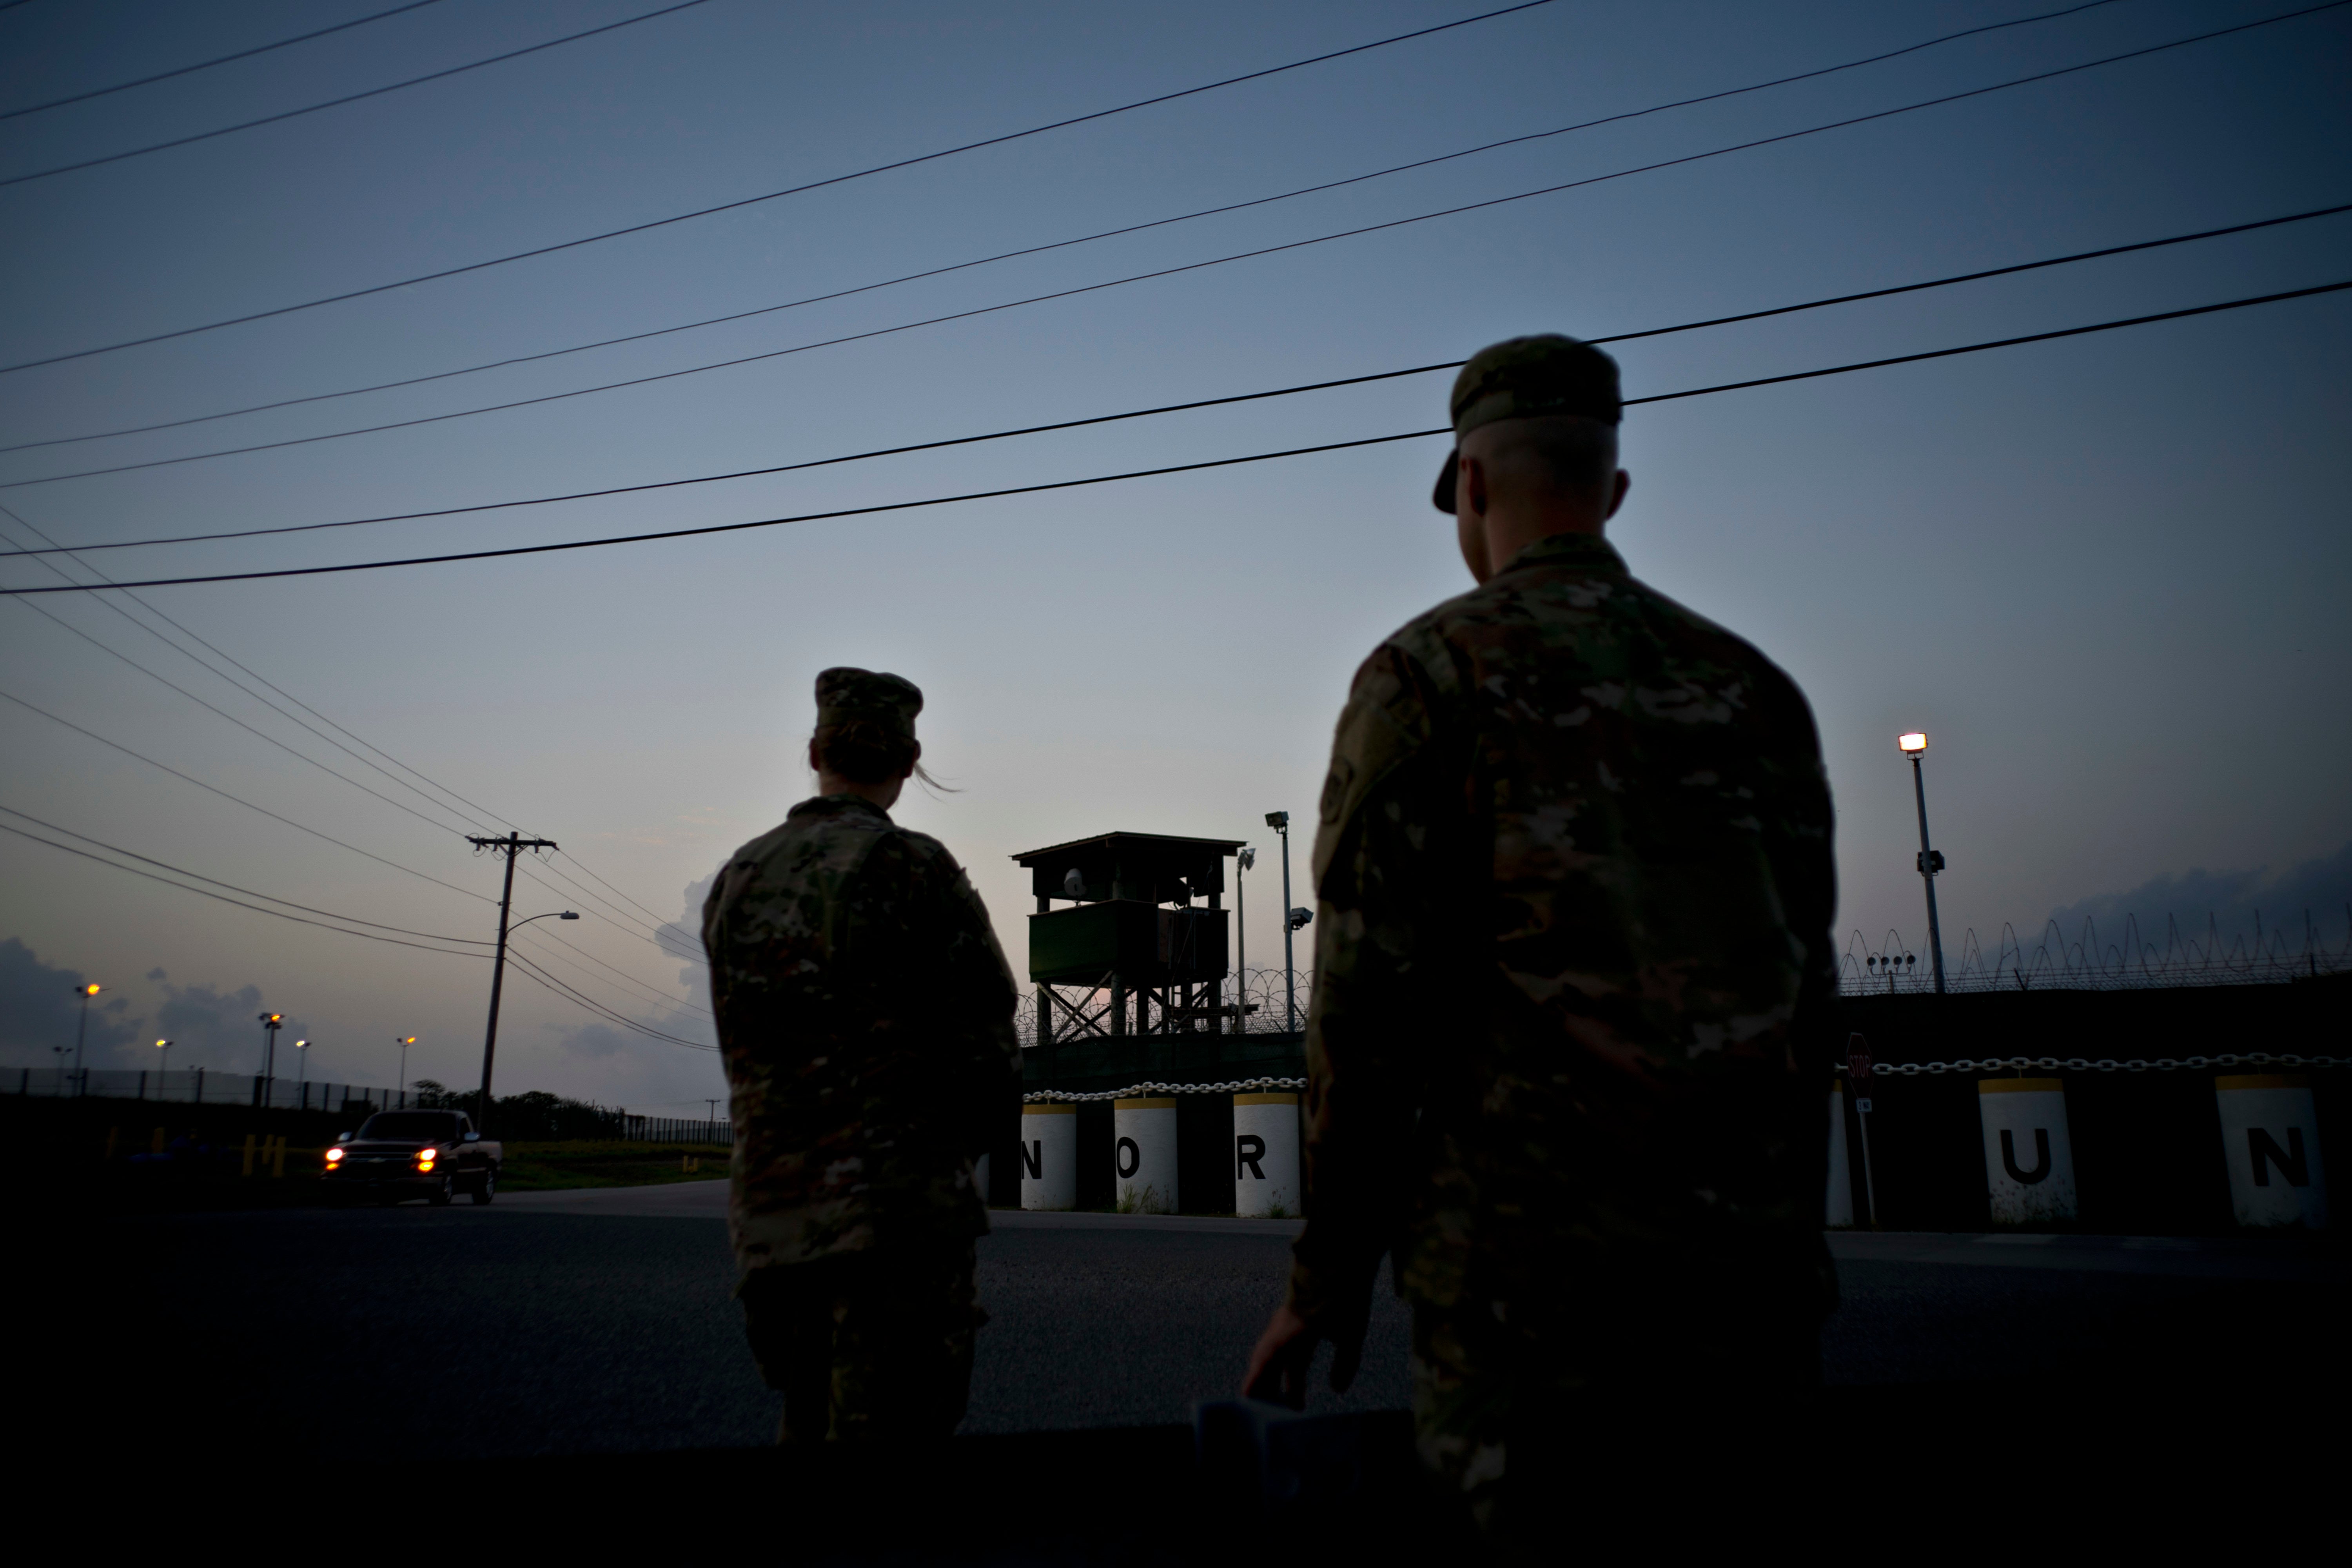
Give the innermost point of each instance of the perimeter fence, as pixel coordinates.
(2086, 961)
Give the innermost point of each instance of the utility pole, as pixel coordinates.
(511, 846)
(1914, 746)
(1243, 861)
(1292, 919)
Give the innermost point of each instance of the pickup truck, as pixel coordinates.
(401, 1155)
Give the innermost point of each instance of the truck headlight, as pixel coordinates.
(334, 1156)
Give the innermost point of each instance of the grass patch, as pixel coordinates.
(550, 1167)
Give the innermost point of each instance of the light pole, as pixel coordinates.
(270, 1023)
(302, 1070)
(404, 1042)
(1914, 746)
(1292, 921)
(1241, 862)
(497, 980)
(161, 1088)
(82, 1031)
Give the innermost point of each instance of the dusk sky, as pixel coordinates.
(2106, 573)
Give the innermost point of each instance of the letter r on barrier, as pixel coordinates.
(1032, 1159)
(2292, 1161)
(1248, 1149)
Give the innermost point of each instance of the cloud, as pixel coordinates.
(211, 1028)
(39, 1011)
(2233, 903)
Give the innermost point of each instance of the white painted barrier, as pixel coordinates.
(2029, 1157)
(1265, 1155)
(2270, 1135)
(1143, 1155)
(1049, 1156)
(1837, 1208)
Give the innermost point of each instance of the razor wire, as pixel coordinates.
(1237, 1086)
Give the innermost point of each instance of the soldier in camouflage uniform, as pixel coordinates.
(865, 1018)
(1570, 1039)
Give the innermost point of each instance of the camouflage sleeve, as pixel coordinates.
(972, 1058)
(1799, 845)
(1384, 852)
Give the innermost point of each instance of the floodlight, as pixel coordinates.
(1912, 744)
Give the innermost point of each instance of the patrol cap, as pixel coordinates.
(1528, 378)
(844, 694)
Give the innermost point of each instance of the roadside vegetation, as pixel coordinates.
(605, 1163)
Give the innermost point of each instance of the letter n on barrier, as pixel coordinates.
(2292, 1161)
(2041, 1171)
(1249, 1149)
(1032, 1159)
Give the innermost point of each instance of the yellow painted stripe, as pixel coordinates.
(1050, 1108)
(1266, 1100)
(1168, 1104)
(2261, 1080)
(2021, 1086)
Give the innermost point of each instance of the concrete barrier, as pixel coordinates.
(1265, 1155)
(1837, 1208)
(2270, 1136)
(1143, 1154)
(2029, 1155)
(1049, 1156)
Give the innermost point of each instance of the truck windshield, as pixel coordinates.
(416, 1126)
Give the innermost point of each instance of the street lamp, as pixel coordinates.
(1292, 921)
(162, 1089)
(498, 975)
(1241, 862)
(270, 1023)
(302, 1069)
(1914, 745)
(404, 1042)
(81, 1032)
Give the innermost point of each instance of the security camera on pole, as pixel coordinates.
(1244, 859)
(1292, 921)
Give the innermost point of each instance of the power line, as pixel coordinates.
(337, 102)
(216, 60)
(1097, 287)
(771, 195)
(519, 549)
(576, 860)
(559, 988)
(1170, 407)
(1039, 249)
(650, 992)
(166, 767)
(223, 898)
(232, 887)
(222, 712)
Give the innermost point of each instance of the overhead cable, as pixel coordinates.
(1170, 407)
(214, 789)
(224, 897)
(338, 102)
(561, 989)
(232, 887)
(769, 196)
(1035, 250)
(565, 545)
(1097, 287)
(216, 60)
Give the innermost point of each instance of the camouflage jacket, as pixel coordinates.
(1572, 955)
(866, 1018)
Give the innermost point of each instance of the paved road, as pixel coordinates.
(576, 1323)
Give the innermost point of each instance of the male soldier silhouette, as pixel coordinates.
(865, 1018)
(1568, 1049)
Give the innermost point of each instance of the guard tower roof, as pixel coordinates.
(1145, 866)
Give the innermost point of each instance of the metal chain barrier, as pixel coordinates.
(2104, 1064)
(1238, 1086)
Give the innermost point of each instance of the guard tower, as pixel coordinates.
(1141, 936)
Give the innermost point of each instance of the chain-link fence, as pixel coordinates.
(201, 1085)
(2088, 962)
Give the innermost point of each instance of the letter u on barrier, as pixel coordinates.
(2017, 1110)
(2270, 1135)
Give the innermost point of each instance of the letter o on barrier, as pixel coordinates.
(1049, 1156)
(2028, 1158)
(2270, 1135)
(1265, 1155)
(1143, 1155)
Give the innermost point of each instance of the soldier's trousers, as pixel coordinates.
(1513, 1411)
(872, 1346)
